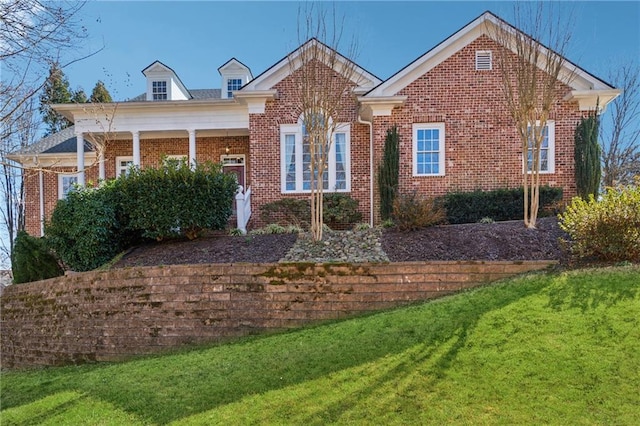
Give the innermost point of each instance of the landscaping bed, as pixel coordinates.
(476, 241)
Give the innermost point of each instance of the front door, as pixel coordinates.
(234, 164)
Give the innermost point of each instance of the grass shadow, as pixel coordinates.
(593, 289)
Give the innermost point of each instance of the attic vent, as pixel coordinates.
(483, 60)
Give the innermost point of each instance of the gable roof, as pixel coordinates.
(233, 64)
(282, 69)
(485, 24)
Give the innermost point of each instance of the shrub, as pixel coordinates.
(608, 229)
(499, 204)
(414, 212)
(286, 211)
(32, 260)
(88, 228)
(175, 200)
(587, 156)
(340, 211)
(388, 172)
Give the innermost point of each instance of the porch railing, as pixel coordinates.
(243, 208)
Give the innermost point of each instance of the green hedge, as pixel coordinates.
(499, 205)
(88, 228)
(32, 260)
(175, 200)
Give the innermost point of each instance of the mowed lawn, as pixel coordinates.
(555, 348)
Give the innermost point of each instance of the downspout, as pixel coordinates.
(371, 169)
(41, 182)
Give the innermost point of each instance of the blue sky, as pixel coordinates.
(195, 38)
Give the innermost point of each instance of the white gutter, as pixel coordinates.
(371, 168)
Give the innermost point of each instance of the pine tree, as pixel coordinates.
(56, 91)
(587, 156)
(79, 97)
(389, 172)
(100, 94)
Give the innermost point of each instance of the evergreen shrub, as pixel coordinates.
(88, 228)
(175, 200)
(499, 204)
(32, 260)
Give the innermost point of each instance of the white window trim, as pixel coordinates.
(296, 129)
(480, 53)
(119, 168)
(226, 85)
(168, 87)
(551, 156)
(441, 151)
(61, 194)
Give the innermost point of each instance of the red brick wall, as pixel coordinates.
(265, 148)
(108, 315)
(482, 147)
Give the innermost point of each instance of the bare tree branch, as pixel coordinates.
(620, 140)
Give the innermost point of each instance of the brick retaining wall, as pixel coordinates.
(109, 315)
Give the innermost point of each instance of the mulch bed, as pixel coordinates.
(475, 241)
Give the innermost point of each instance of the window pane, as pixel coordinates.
(427, 151)
(290, 158)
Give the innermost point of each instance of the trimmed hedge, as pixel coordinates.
(175, 200)
(499, 205)
(88, 228)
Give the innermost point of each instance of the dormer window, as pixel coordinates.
(234, 75)
(159, 90)
(483, 60)
(233, 84)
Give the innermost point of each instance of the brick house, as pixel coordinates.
(448, 105)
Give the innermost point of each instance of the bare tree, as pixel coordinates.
(33, 33)
(17, 135)
(532, 77)
(324, 82)
(620, 137)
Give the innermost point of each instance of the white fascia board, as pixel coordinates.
(176, 115)
(282, 69)
(255, 100)
(61, 159)
(431, 59)
(380, 106)
(588, 100)
(487, 24)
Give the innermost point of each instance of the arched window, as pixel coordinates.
(295, 154)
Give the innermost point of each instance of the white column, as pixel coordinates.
(102, 174)
(41, 183)
(136, 149)
(80, 157)
(192, 147)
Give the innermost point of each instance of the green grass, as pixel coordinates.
(559, 348)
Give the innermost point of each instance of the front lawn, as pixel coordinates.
(558, 348)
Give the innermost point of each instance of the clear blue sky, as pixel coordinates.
(195, 38)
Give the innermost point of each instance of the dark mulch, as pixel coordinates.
(211, 249)
(475, 241)
(478, 241)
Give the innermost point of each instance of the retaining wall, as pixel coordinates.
(110, 315)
